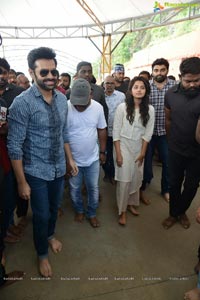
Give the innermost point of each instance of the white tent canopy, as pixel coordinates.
(69, 12)
(60, 24)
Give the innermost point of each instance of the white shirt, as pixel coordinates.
(112, 102)
(82, 132)
(135, 131)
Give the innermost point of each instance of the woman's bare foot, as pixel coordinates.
(132, 209)
(122, 218)
(45, 268)
(55, 245)
(192, 295)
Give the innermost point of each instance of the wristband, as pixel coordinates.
(103, 152)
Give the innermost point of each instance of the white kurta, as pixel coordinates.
(130, 137)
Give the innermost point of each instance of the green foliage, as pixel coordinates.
(139, 40)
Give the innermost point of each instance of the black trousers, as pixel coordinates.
(22, 207)
(2, 270)
(184, 178)
(109, 167)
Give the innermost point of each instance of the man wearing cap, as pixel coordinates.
(86, 127)
(120, 84)
(84, 70)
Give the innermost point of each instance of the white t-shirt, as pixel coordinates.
(82, 132)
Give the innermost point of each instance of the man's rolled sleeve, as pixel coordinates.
(17, 124)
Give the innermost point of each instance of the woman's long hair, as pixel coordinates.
(144, 105)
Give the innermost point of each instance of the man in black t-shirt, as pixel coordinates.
(8, 92)
(5, 279)
(119, 74)
(182, 108)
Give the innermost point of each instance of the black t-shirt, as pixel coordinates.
(123, 87)
(10, 93)
(184, 114)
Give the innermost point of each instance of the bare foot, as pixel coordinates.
(132, 209)
(143, 198)
(122, 219)
(60, 212)
(192, 295)
(56, 245)
(79, 217)
(12, 278)
(45, 268)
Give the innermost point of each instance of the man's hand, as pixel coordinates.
(74, 168)
(102, 157)
(24, 190)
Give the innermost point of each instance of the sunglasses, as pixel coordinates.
(45, 72)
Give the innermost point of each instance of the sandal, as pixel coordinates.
(184, 221)
(169, 222)
(94, 222)
(12, 278)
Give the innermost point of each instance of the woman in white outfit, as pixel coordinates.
(132, 130)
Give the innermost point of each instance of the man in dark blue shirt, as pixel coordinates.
(37, 140)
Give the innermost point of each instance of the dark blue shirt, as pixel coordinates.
(37, 133)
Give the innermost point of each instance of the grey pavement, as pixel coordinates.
(141, 261)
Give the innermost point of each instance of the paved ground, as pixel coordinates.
(141, 261)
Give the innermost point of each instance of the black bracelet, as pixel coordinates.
(103, 152)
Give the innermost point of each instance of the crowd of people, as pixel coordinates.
(49, 128)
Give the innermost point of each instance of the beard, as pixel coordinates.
(43, 85)
(3, 83)
(160, 78)
(191, 92)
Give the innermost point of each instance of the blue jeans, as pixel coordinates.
(161, 143)
(91, 178)
(45, 198)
